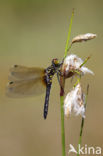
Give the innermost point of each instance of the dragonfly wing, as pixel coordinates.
(18, 72)
(25, 88)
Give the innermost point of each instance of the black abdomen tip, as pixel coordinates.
(45, 115)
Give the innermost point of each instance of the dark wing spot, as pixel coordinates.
(11, 82)
(15, 66)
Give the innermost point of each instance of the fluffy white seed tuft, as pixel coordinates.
(72, 64)
(74, 102)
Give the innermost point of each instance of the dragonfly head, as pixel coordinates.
(55, 62)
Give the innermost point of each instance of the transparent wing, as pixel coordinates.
(25, 88)
(18, 72)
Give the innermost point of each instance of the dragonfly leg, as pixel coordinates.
(58, 78)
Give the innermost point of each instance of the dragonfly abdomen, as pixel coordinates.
(46, 104)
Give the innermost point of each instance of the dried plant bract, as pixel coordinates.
(83, 37)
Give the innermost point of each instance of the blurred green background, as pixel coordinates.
(31, 34)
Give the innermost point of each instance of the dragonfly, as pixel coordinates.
(26, 81)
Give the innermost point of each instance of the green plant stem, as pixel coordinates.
(78, 80)
(80, 137)
(69, 47)
(62, 85)
(69, 33)
(62, 125)
(85, 61)
(82, 123)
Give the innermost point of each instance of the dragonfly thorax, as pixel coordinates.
(51, 70)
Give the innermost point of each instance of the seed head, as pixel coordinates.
(83, 37)
(74, 102)
(72, 65)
